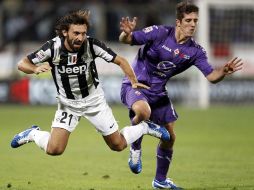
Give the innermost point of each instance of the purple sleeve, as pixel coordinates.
(202, 64)
(149, 34)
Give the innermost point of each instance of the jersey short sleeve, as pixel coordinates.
(149, 34)
(43, 54)
(201, 62)
(101, 50)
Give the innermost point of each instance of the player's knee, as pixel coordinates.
(117, 147)
(55, 151)
(145, 115)
(142, 112)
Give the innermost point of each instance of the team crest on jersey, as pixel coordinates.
(148, 29)
(72, 58)
(180, 54)
(176, 52)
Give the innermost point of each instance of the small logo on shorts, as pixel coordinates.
(137, 93)
(112, 126)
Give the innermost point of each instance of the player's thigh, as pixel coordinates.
(103, 119)
(65, 121)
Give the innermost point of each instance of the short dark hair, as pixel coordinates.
(79, 17)
(185, 7)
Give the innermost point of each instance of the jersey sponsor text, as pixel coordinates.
(72, 69)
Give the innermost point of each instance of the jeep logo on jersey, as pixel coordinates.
(72, 69)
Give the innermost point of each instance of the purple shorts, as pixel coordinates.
(162, 110)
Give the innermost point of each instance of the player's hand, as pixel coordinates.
(127, 25)
(233, 65)
(42, 68)
(140, 85)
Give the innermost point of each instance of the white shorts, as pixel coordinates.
(94, 108)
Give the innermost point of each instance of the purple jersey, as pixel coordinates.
(161, 57)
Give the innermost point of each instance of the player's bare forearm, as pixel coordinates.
(216, 76)
(27, 67)
(230, 67)
(132, 77)
(128, 71)
(126, 68)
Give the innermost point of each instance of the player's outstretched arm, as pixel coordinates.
(230, 67)
(127, 26)
(27, 67)
(128, 71)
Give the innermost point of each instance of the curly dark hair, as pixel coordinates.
(185, 7)
(75, 17)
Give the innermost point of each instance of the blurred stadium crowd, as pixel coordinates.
(33, 20)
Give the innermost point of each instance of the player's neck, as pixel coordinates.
(180, 37)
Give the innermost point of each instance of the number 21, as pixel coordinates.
(65, 114)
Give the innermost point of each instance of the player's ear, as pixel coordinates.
(178, 22)
(64, 32)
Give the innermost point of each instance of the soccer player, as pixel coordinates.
(71, 60)
(165, 52)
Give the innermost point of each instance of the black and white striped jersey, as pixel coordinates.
(74, 73)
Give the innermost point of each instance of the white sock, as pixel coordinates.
(40, 138)
(134, 132)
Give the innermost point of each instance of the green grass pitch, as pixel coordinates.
(214, 150)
